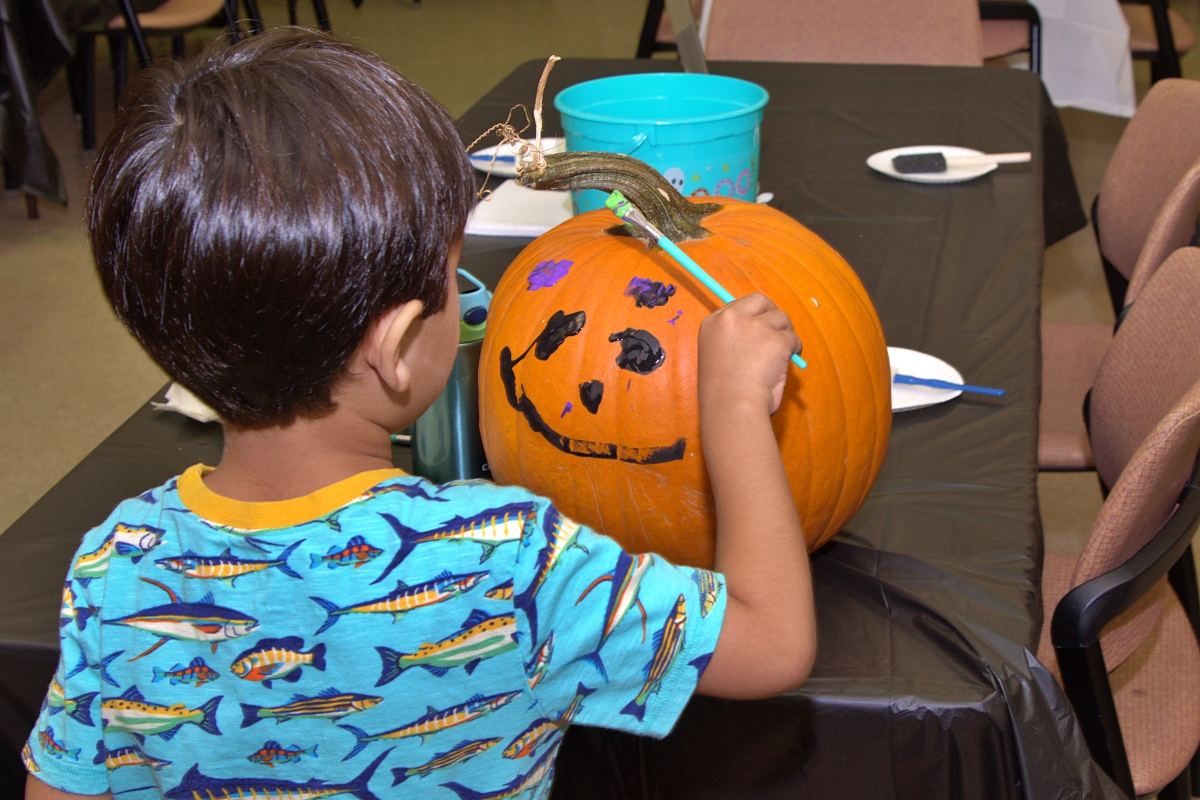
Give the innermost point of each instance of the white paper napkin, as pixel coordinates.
(514, 210)
(181, 401)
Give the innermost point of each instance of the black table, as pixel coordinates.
(929, 601)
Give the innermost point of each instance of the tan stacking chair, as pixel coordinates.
(1156, 150)
(932, 32)
(1146, 209)
(1123, 616)
(1158, 34)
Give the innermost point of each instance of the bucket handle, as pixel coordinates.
(637, 141)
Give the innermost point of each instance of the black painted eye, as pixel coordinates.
(557, 329)
(590, 394)
(640, 351)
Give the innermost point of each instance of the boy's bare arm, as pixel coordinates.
(768, 638)
(36, 790)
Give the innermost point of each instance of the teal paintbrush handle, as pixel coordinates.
(936, 384)
(714, 287)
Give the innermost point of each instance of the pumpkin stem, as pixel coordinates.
(658, 200)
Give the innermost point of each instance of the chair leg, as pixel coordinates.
(31, 207)
(82, 71)
(120, 64)
(254, 17)
(1182, 577)
(177, 48)
(654, 12)
(291, 12)
(322, 15)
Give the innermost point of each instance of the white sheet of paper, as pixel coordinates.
(181, 401)
(514, 210)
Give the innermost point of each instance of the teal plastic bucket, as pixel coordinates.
(700, 131)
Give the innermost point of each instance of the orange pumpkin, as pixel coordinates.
(588, 370)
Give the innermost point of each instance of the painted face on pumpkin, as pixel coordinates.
(635, 351)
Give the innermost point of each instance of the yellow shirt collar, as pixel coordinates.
(246, 516)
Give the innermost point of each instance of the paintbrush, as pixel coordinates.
(940, 162)
(628, 213)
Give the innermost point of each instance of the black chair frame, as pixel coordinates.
(1081, 616)
(647, 46)
(1019, 10)
(1164, 63)
(82, 68)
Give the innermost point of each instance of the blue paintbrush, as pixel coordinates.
(627, 212)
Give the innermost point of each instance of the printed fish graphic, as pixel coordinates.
(132, 713)
(536, 670)
(412, 490)
(329, 704)
(102, 667)
(490, 528)
(560, 535)
(625, 579)
(460, 752)
(434, 721)
(706, 582)
(197, 786)
(226, 567)
(277, 660)
(405, 598)
(31, 766)
(128, 541)
(273, 753)
(196, 674)
(480, 637)
(199, 622)
(126, 757)
(357, 552)
(502, 592)
(77, 708)
(668, 643)
(69, 611)
(543, 769)
(544, 730)
(52, 747)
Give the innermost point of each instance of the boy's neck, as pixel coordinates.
(283, 462)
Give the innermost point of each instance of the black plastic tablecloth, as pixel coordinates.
(929, 602)
(34, 45)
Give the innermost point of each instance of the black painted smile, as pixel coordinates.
(559, 327)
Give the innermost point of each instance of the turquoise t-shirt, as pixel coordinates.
(382, 637)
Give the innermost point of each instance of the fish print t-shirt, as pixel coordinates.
(382, 637)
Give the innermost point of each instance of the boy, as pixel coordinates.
(277, 224)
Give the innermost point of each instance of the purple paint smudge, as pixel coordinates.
(648, 293)
(564, 411)
(548, 273)
(678, 314)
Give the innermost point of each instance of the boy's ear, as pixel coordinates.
(385, 344)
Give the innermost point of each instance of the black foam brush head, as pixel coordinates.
(919, 162)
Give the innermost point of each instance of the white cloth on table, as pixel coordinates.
(1085, 55)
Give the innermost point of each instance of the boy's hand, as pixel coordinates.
(744, 349)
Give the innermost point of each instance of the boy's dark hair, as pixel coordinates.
(253, 212)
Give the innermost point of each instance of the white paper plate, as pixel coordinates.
(882, 162)
(906, 397)
(482, 159)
